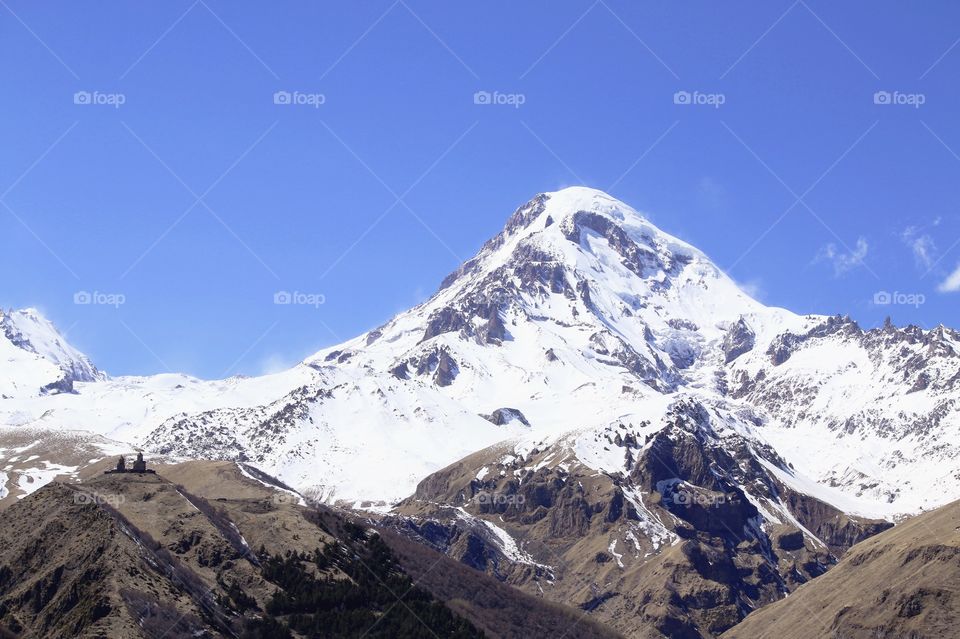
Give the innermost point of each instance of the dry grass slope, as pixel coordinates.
(142, 556)
(904, 582)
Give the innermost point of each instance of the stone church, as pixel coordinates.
(139, 466)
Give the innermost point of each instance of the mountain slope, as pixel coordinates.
(901, 583)
(37, 359)
(228, 552)
(682, 532)
(871, 411)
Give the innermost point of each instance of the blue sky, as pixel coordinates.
(197, 197)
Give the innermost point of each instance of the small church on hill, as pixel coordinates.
(139, 466)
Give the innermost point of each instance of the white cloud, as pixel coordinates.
(752, 288)
(275, 363)
(844, 261)
(921, 244)
(952, 283)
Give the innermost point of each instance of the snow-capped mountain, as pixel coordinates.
(578, 317)
(572, 316)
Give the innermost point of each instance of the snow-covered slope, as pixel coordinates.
(578, 316)
(35, 359)
(872, 412)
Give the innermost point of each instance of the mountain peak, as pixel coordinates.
(573, 199)
(556, 206)
(580, 239)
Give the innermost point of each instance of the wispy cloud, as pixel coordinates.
(753, 288)
(711, 192)
(922, 246)
(952, 283)
(275, 363)
(843, 260)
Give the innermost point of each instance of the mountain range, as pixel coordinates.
(589, 410)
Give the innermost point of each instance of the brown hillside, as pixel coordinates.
(904, 582)
(202, 549)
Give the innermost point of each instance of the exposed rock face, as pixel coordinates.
(675, 538)
(494, 332)
(738, 340)
(435, 364)
(519, 220)
(12, 333)
(446, 370)
(63, 385)
(445, 320)
(503, 416)
(439, 365)
(838, 530)
(638, 258)
(538, 271)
